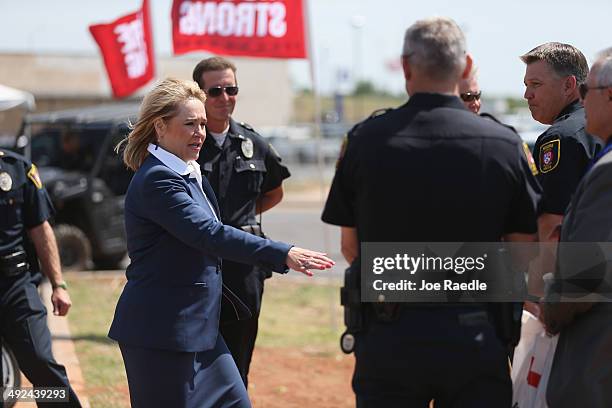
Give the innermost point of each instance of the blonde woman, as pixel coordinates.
(167, 318)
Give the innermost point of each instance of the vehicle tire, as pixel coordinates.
(11, 377)
(74, 247)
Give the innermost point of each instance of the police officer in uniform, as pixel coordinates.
(24, 210)
(432, 171)
(562, 153)
(553, 74)
(246, 175)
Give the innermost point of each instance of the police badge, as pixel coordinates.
(6, 182)
(247, 148)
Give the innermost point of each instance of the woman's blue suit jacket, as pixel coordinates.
(172, 297)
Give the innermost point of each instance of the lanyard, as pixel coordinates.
(601, 154)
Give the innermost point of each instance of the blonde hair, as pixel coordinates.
(161, 102)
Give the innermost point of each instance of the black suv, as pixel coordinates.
(86, 180)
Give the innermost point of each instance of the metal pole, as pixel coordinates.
(317, 140)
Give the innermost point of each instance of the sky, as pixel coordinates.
(351, 38)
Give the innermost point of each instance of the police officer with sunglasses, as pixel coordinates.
(470, 92)
(25, 238)
(246, 175)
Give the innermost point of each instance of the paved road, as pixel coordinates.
(300, 223)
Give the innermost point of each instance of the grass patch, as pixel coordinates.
(94, 302)
(356, 108)
(295, 314)
(298, 314)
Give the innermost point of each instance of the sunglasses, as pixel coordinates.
(584, 89)
(470, 96)
(218, 90)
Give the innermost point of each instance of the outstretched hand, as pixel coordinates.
(303, 260)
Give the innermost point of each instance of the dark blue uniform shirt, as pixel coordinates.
(431, 171)
(237, 179)
(24, 203)
(563, 153)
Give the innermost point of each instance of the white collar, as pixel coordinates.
(173, 162)
(181, 167)
(223, 133)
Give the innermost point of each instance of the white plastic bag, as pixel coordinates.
(531, 365)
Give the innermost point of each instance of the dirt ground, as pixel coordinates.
(287, 378)
(290, 378)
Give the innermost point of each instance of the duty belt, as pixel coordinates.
(14, 264)
(252, 229)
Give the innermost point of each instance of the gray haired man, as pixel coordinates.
(407, 354)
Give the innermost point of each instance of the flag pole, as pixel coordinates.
(316, 101)
(317, 139)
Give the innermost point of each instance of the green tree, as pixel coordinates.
(364, 87)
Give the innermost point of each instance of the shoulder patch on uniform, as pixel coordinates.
(549, 155)
(530, 161)
(33, 175)
(246, 126)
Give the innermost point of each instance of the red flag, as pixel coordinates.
(127, 49)
(263, 28)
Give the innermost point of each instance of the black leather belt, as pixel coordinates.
(14, 264)
(390, 311)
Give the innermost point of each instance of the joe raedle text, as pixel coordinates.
(417, 277)
(423, 285)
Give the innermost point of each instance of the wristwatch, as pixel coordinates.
(61, 284)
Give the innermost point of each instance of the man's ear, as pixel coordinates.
(468, 66)
(570, 84)
(407, 68)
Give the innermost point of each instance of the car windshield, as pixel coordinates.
(79, 148)
(67, 148)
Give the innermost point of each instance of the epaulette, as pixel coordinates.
(246, 126)
(345, 140)
(494, 119)
(379, 112)
(489, 116)
(375, 114)
(13, 155)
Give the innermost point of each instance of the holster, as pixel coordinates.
(255, 229)
(350, 298)
(387, 311)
